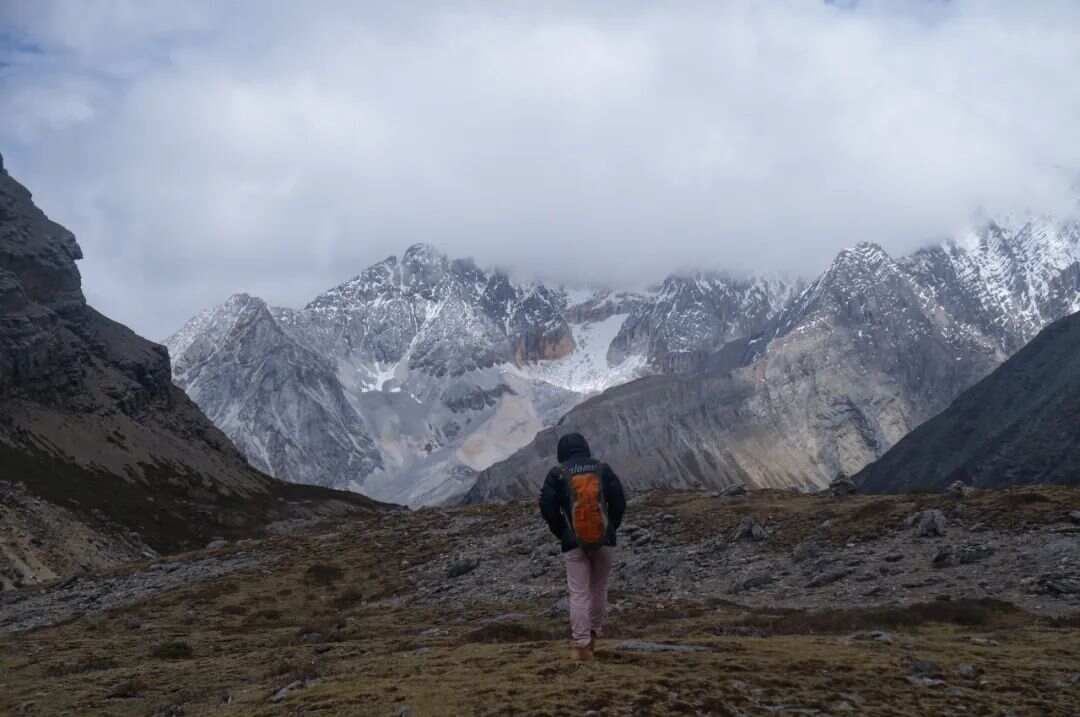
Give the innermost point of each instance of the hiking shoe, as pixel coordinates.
(582, 654)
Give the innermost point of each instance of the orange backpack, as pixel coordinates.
(588, 507)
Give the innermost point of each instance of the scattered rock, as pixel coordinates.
(752, 582)
(841, 485)
(665, 564)
(281, 694)
(734, 491)
(928, 523)
(217, 544)
(828, 577)
(925, 681)
(646, 646)
(1058, 584)
(948, 556)
(1074, 516)
(959, 489)
(925, 668)
(968, 670)
(461, 567)
(561, 607)
(875, 636)
(638, 535)
(405, 711)
(806, 550)
(750, 529)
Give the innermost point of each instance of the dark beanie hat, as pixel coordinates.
(573, 444)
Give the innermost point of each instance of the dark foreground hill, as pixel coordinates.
(867, 605)
(102, 457)
(1019, 425)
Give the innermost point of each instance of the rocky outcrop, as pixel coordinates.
(91, 422)
(71, 378)
(1021, 424)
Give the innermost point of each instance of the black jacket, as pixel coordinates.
(555, 502)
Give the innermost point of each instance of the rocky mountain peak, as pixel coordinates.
(39, 253)
(422, 268)
(863, 257)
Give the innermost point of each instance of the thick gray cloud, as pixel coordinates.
(279, 148)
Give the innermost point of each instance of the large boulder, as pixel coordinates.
(928, 523)
(841, 485)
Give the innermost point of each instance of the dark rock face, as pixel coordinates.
(1021, 424)
(90, 419)
(63, 365)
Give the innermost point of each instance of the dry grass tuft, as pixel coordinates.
(349, 598)
(294, 669)
(323, 574)
(1072, 620)
(173, 650)
(966, 613)
(90, 663)
(127, 689)
(507, 632)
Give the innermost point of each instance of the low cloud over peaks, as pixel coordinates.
(279, 149)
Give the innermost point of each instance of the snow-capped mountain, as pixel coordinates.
(691, 317)
(866, 353)
(407, 379)
(1010, 277)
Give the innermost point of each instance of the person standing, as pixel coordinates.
(583, 503)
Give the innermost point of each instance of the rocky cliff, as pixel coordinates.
(91, 421)
(1019, 425)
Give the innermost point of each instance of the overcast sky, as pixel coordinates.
(200, 149)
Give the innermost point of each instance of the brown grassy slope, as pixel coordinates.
(337, 610)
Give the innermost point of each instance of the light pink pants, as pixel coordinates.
(587, 580)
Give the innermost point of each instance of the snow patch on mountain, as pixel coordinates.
(587, 370)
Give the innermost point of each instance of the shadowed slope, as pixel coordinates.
(1021, 424)
(90, 419)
